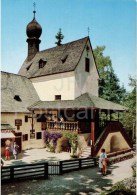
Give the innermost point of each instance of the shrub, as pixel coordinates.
(125, 187)
(133, 166)
(73, 140)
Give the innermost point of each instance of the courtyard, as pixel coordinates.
(37, 155)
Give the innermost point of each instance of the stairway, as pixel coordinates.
(86, 152)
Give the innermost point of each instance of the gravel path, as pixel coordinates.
(84, 182)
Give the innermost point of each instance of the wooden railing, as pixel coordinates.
(71, 126)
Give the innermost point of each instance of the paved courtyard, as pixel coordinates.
(37, 155)
(84, 182)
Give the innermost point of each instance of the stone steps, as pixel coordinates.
(86, 152)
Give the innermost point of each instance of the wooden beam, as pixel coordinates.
(93, 132)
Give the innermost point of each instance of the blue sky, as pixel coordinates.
(111, 23)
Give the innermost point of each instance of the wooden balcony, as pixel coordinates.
(64, 126)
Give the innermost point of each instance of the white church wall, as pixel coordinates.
(86, 81)
(58, 84)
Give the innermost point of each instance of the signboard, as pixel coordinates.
(18, 122)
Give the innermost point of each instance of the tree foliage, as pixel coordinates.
(109, 87)
(129, 119)
(59, 37)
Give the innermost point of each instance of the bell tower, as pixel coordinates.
(33, 31)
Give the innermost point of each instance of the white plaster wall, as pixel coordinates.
(86, 81)
(60, 84)
(121, 143)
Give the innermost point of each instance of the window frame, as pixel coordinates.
(38, 134)
(87, 64)
(57, 97)
(24, 137)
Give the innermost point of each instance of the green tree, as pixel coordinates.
(129, 118)
(59, 37)
(109, 87)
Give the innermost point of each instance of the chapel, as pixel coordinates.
(62, 81)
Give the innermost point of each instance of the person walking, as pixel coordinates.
(103, 161)
(15, 150)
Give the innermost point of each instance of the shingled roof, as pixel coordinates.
(63, 58)
(17, 93)
(82, 102)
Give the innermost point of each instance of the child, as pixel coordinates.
(15, 150)
(103, 161)
(7, 153)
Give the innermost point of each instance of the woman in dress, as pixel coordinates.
(15, 150)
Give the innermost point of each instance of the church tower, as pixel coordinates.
(33, 31)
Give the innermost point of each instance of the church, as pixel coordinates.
(59, 82)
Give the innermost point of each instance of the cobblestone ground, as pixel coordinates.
(84, 182)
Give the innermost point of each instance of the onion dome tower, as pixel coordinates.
(33, 31)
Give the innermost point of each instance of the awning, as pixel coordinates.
(6, 126)
(5, 135)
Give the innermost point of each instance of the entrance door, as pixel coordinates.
(18, 140)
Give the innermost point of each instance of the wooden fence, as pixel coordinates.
(11, 173)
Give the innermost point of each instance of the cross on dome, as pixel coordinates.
(34, 5)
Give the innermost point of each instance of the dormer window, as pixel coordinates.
(42, 63)
(64, 58)
(87, 64)
(17, 98)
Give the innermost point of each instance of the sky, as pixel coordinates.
(111, 22)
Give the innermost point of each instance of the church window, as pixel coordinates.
(25, 137)
(87, 64)
(17, 98)
(38, 135)
(26, 118)
(57, 97)
(42, 63)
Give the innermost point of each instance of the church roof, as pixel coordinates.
(82, 102)
(17, 93)
(58, 59)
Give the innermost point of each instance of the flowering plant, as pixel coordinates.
(50, 139)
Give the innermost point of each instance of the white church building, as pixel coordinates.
(58, 82)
